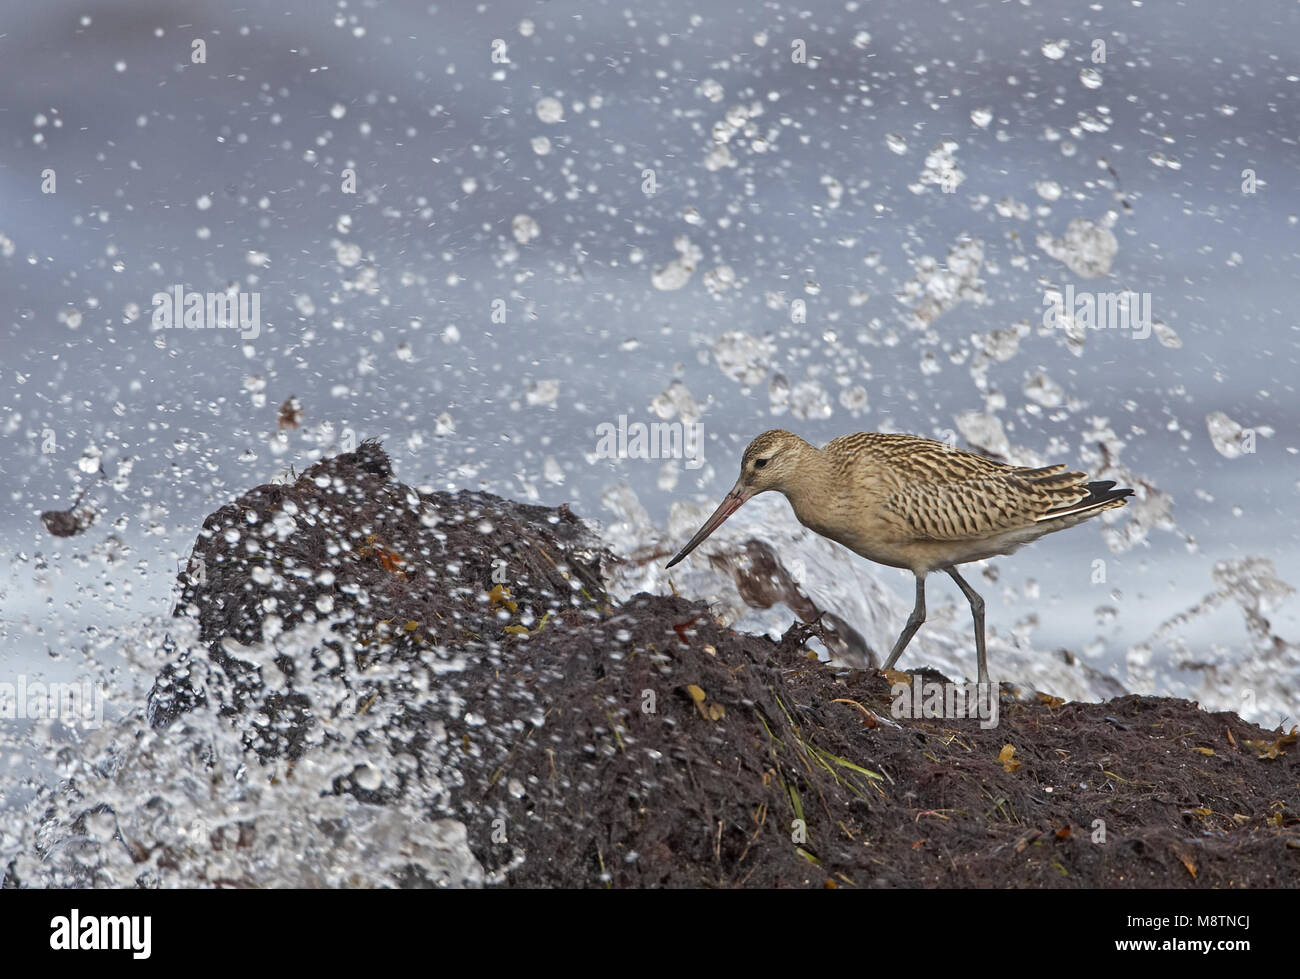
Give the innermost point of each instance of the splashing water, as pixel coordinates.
(191, 806)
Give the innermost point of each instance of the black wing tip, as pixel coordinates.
(1100, 496)
(1100, 491)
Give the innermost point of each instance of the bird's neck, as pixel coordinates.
(810, 491)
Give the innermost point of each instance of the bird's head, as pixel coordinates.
(771, 462)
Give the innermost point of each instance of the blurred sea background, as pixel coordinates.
(826, 217)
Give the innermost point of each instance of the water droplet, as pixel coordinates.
(549, 110)
(368, 777)
(525, 229)
(1055, 49)
(1048, 190)
(347, 254)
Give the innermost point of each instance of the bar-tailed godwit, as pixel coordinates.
(913, 503)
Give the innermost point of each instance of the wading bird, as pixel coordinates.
(913, 503)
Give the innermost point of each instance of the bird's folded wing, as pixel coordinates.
(984, 506)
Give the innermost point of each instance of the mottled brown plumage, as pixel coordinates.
(914, 503)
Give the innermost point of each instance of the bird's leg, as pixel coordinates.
(977, 610)
(913, 623)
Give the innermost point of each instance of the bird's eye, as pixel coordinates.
(760, 463)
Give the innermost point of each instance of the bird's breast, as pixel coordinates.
(858, 526)
(831, 519)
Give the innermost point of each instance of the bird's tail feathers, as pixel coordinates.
(1101, 496)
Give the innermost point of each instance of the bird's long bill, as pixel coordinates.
(729, 505)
